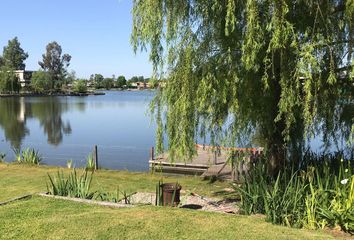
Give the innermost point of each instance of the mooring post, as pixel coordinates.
(215, 157)
(95, 155)
(152, 153)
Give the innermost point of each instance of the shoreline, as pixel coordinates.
(70, 94)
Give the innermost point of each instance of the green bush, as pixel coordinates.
(8, 81)
(72, 186)
(41, 82)
(318, 194)
(80, 86)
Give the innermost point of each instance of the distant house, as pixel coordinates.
(142, 85)
(24, 77)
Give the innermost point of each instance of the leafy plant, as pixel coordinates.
(90, 163)
(29, 156)
(116, 197)
(69, 164)
(2, 157)
(17, 153)
(319, 193)
(109, 196)
(73, 186)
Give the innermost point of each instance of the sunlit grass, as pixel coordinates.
(16, 180)
(43, 218)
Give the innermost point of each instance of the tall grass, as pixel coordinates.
(90, 163)
(29, 156)
(74, 185)
(69, 163)
(319, 193)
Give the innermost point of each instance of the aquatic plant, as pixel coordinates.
(28, 156)
(318, 194)
(69, 163)
(90, 163)
(2, 157)
(72, 186)
(17, 153)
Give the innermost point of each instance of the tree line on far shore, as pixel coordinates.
(53, 75)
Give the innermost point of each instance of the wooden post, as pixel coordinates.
(234, 167)
(215, 157)
(152, 153)
(95, 155)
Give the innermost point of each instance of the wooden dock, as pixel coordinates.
(209, 161)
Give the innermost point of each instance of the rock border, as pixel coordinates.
(87, 201)
(16, 199)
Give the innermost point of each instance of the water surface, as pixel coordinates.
(64, 128)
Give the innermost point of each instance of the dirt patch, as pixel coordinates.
(191, 201)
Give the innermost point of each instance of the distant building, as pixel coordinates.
(24, 77)
(141, 85)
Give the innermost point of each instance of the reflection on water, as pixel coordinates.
(48, 112)
(64, 128)
(13, 120)
(15, 112)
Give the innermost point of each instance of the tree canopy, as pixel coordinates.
(121, 81)
(41, 82)
(55, 64)
(13, 55)
(12, 59)
(281, 70)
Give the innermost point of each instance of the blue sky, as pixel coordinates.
(95, 33)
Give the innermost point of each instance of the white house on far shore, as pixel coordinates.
(24, 77)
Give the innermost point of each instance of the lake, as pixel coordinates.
(63, 128)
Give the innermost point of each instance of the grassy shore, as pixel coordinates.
(42, 218)
(16, 180)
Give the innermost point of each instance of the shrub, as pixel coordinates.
(80, 86)
(8, 81)
(318, 194)
(41, 82)
(72, 186)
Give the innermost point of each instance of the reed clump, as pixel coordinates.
(74, 185)
(318, 193)
(28, 156)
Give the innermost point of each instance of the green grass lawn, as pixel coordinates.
(16, 180)
(42, 218)
(45, 218)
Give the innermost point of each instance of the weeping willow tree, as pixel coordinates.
(281, 70)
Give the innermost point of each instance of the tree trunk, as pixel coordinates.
(276, 159)
(276, 143)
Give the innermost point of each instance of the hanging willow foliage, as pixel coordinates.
(277, 69)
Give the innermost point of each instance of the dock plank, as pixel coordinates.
(209, 161)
